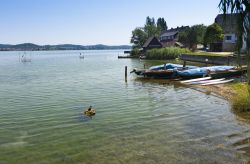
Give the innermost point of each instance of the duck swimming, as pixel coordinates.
(89, 111)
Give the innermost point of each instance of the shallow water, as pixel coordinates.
(138, 121)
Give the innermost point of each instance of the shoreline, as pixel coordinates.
(223, 90)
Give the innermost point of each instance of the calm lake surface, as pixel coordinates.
(138, 121)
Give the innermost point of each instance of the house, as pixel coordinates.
(170, 37)
(228, 23)
(151, 43)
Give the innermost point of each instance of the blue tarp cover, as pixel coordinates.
(203, 70)
(170, 66)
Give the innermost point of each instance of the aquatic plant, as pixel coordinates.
(165, 53)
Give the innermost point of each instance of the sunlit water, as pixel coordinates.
(138, 121)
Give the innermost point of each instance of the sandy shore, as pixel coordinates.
(224, 90)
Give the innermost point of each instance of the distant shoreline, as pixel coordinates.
(34, 47)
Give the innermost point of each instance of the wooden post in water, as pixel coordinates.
(184, 64)
(126, 73)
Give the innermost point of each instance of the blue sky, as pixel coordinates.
(89, 22)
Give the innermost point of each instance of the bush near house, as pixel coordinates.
(165, 53)
(135, 52)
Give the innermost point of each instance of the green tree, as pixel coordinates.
(162, 24)
(139, 37)
(150, 21)
(150, 28)
(213, 34)
(192, 36)
(241, 7)
(183, 37)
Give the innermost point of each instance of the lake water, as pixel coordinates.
(138, 121)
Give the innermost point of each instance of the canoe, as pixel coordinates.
(194, 80)
(218, 82)
(206, 81)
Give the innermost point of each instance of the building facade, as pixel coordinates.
(169, 37)
(228, 23)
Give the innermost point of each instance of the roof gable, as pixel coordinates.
(228, 22)
(152, 42)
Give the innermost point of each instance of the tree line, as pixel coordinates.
(190, 37)
(141, 34)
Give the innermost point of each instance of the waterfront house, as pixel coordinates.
(228, 23)
(169, 37)
(151, 43)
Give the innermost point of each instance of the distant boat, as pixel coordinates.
(25, 59)
(81, 56)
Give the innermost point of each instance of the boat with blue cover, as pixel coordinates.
(206, 71)
(167, 71)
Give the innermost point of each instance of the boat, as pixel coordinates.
(228, 73)
(218, 82)
(206, 81)
(24, 58)
(81, 56)
(202, 71)
(168, 73)
(195, 80)
(171, 66)
(161, 71)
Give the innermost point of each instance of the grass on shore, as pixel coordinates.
(241, 100)
(165, 53)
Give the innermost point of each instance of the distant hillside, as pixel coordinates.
(33, 47)
(4, 45)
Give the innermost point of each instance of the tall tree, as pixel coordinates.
(213, 34)
(150, 27)
(162, 24)
(150, 21)
(139, 37)
(241, 7)
(192, 36)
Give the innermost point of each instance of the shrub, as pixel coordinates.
(135, 52)
(165, 53)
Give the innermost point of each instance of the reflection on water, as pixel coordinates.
(141, 121)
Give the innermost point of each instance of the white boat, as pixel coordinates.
(206, 81)
(218, 82)
(24, 58)
(194, 80)
(81, 56)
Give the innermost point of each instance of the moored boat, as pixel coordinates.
(161, 71)
(202, 71)
(228, 73)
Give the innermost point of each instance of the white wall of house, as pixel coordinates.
(230, 38)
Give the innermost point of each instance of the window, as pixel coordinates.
(229, 37)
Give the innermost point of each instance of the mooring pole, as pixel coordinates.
(126, 72)
(184, 63)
